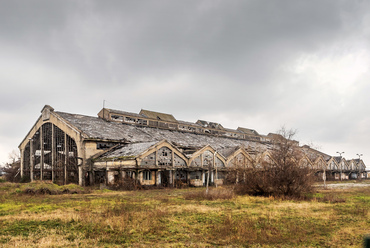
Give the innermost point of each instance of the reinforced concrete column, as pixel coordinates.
(21, 152)
(32, 156)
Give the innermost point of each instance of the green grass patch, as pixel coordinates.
(181, 217)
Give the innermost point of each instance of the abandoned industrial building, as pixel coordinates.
(152, 148)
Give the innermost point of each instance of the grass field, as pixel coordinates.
(178, 218)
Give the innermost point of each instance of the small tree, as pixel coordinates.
(281, 174)
(12, 169)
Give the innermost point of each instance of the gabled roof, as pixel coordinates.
(120, 112)
(209, 124)
(157, 115)
(227, 151)
(247, 131)
(129, 150)
(97, 128)
(337, 159)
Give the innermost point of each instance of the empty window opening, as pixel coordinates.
(147, 175)
(130, 120)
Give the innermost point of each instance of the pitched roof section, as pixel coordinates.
(97, 128)
(158, 116)
(209, 124)
(129, 150)
(247, 131)
(114, 111)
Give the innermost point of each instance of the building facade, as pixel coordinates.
(152, 148)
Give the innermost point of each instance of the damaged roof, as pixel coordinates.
(129, 150)
(247, 131)
(97, 128)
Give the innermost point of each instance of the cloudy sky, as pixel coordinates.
(252, 63)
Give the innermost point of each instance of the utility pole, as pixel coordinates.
(341, 169)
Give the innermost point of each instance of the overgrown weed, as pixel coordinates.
(183, 217)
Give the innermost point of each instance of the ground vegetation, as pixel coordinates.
(178, 218)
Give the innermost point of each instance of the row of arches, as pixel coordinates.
(165, 154)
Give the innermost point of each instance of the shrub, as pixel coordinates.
(278, 175)
(12, 172)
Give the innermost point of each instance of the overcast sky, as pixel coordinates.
(255, 64)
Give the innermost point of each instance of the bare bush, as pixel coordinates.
(126, 183)
(12, 172)
(279, 175)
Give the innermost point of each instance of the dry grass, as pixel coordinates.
(182, 217)
(213, 194)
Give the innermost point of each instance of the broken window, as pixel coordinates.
(129, 174)
(117, 117)
(147, 175)
(51, 154)
(207, 158)
(149, 160)
(179, 161)
(130, 120)
(100, 177)
(142, 122)
(104, 145)
(164, 156)
(195, 175)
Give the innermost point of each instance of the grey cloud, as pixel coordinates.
(193, 59)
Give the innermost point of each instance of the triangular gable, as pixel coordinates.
(332, 164)
(344, 165)
(320, 163)
(207, 148)
(159, 145)
(49, 116)
(262, 157)
(361, 166)
(241, 150)
(307, 163)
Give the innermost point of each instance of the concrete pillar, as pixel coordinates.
(80, 175)
(31, 160)
(171, 177)
(110, 176)
(159, 182)
(66, 154)
(21, 152)
(156, 157)
(41, 154)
